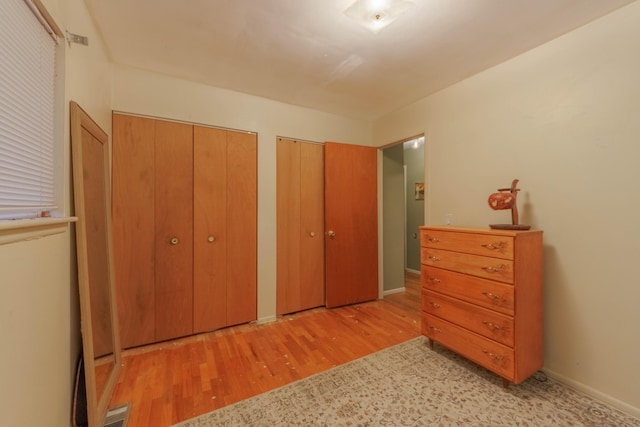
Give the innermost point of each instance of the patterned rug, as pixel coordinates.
(411, 385)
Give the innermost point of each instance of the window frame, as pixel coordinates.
(20, 229)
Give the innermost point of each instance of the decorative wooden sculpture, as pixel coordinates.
(506, 199)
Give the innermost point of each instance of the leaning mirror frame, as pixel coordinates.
(95, 262)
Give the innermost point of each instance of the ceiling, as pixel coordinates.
(308, 53)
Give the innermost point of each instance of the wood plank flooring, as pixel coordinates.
(170, 382)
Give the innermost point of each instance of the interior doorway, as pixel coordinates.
(403, 201)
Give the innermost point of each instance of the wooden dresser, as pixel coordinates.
(482, 296)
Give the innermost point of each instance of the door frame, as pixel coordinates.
(381, 204)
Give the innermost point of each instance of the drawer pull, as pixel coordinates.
(494, 246)
(432, 239)
(490, 295)
(497, 269)
(433, 280)
(433, 258)
(491, 325)
(434, 304)
(434, 329)
(494, 356)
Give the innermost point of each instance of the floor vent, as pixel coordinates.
(117, 417)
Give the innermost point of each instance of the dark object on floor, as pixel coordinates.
(79, 409)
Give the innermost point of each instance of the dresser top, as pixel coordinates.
(485, 230)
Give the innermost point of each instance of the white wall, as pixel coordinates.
(565, 119)
(39, 310)
(141, 92)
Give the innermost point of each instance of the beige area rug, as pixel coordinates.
(411, 385)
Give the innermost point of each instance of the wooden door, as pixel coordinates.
(351, 221)
(174, 230)
(288, 226)
(300, 222)
(133, 201)
(209, 229)
(312, 225)
(225, 228)
(242, 227)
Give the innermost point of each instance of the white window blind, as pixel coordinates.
(27, 75)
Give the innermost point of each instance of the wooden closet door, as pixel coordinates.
(300, 222)
(288, 226)
(312, 225)
(174, 230)
(209, 229)
(133, 201)
(242, 227)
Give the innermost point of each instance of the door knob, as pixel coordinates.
(211, 239)
(312, 234)
(331, 233)
(174, 241)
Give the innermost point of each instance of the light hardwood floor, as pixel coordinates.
(170, 382)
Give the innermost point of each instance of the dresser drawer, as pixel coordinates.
(486, 293)
(488, 323)
(483, 351)
(479, 244)
(476, 265)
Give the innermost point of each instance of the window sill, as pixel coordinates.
(29, 229)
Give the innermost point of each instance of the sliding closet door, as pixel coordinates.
(174, 229)
(312, 225)
(288, 226)
(300, 225)
(225, 228)
(242, 227)
(185, 228)
(209, 229)
(134, 227)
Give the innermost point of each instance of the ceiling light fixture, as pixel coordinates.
(374, 15)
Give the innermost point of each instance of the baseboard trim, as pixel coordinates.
(410, 270)
(267, 319)
(394, 291)
(618, 404)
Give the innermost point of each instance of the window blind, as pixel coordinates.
(27, 75)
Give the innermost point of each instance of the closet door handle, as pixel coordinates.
(312, 234)
(331, 233)
(174, 241)
(211, 239)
